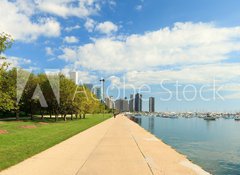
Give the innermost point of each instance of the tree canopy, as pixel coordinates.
(22, 91)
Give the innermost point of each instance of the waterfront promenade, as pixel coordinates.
(116, 146)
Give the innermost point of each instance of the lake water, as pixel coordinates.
(214, 145)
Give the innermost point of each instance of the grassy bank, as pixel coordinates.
(27, 138)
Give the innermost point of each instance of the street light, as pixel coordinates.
(102, 80)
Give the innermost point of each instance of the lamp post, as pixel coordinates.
(102, 80)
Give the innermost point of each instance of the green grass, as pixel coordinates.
(21, 143)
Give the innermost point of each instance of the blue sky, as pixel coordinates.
(192, 42)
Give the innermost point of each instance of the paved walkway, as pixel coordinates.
(114, 147)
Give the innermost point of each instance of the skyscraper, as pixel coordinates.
(74, 77)
(125, 105)
(151, 104)
(109, 102)
(97, 92)
(131, 103)
(138, 102)
(121, 105)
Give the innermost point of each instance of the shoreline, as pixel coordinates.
(185, 162)
(116, 146)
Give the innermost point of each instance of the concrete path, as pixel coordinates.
(114, 147)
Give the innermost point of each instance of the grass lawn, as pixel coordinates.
(27, 138)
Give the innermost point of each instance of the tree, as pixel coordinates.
(5, 43)
(52, 102)
(8, 90)
(9, 102)
(28, 104)
(6, 102)
(67, 90)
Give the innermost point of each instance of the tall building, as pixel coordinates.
(131, 103)
(151, 104)
(97, 92)
(109, 102)
(74, 77)
(121, 105)
(138, 102)
(125, 105)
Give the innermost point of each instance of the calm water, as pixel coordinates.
(214, 145)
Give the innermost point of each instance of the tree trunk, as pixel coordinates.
(76, 115)
(56, 117)
(71, 116)
(50, 113)
(31, 113)
(84, 115)
(41, 113)
(17, 115)
(65, 117)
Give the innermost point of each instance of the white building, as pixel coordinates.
(109, 102)
(74, 77)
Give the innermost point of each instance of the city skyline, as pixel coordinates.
(193, 45)
(120, 87)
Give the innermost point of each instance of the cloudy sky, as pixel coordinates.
(187, 52)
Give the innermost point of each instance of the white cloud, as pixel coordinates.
(25, 19)
(183, 44)
(15, 19)
(16, 61)
(71, 28)
(90, 24)
(233, 90)
(224, 73)
(49, 51)
(112, 3)
(65, 8)
(106, 27)
(139, 7)
(70, 39)
(233, 96)
(51, 59)
(84, 77)
(68, 55)
(234, 87)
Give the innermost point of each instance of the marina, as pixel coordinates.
(174, 115)
(209, 140)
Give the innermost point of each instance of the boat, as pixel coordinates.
(227, 116)
(209, 117)
(237, 118)
(173, 116)
(165, 116)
